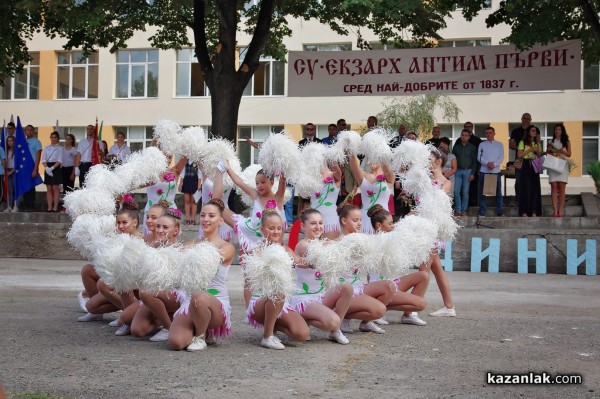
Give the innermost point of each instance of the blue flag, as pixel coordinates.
(24, 164)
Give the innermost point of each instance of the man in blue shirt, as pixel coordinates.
(490, 155)
(35, 148)
(332, 138)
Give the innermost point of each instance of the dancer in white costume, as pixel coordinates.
(376, 187)
(105, 299)
(325, 200)
(225, 231)
(435, 264)
(248, 229)
(370, 300)
(408, 303)
(205, 314)
(320, 307)
(275, 315)
(156, 307)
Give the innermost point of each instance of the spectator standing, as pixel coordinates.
(35, 148)
(310, 132)
(189, 185)
(530, 192)
(10, 174)
(515, 138)
(466, 167)
(560, 147)
(473, 139)
(450, 167)
(70, 163)
(436, 135)
(119, 151)
(371, 122)
(85, 148)
(3, 175)
(397, 140)
(52, 159)
(490, 155)
(332, 137)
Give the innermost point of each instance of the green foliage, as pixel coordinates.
(417, 113)
(546, 21)
(593, 170)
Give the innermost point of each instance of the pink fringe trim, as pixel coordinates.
(224, 330)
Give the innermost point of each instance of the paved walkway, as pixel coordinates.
(506, 323)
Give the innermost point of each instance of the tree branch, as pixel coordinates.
(265, 16)
(591, 17)
(199, 28)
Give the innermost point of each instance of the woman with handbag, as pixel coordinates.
(559, 147)
(530, 192)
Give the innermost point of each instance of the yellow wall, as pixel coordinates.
(47, 75)
(295, 131)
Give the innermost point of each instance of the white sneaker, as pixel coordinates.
(82, 302)
(272, 343)
(444, 312)
(7, 210)
(413, 319)
(91, 317)
(123, 330)
(339, 337)
(382, 321)
(197, 344)
(161, 336)
(346, 326)
(114, 323)
(371, 327)
(15, 210)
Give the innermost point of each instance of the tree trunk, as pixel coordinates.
(225, 103)
(591, 16)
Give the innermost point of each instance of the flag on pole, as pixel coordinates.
(24, 164)
(96, 147)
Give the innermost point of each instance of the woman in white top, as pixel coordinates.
(70, 163)
(52, 159)
(119, 152)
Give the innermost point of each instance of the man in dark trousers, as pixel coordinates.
(475, 141)
(515, 137)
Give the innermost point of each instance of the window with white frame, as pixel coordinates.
(591, 77)
(328, 47)
(136, 137)
(590, 144)
(452, 131)
(80, 133)
(25, 85)
(77, 75)
(249, 155)
(190, 82)
(137, 73)
(465, 42)
(269, 78)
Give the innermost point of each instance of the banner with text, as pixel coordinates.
(447, 70)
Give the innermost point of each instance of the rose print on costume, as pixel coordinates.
(324, 193)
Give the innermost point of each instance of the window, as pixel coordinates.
(137, 73)
(328, 47)
(590, 145)
(381, 46)
(248, 154)
(136, 137)
(79, 132)
(24, 86)
(77, 75)
(269, 78)
(190, 82)
(591, 77)
(465, 43)
(452, 131)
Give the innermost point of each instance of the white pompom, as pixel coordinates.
(142, 168)
(198, 266)
(279, 154)
(87, 229)
(349, 141)
(411, 154)
(158, 268)
(268, 271)
(166, 132)
(89, 201)
(436, 206)
(102, 178)
(248, 176)
(324, 256)
(128, 270)
(193, 141)
(375, 146)
(307, 178)
(217, 149)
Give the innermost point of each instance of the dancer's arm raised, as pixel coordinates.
(357, 172)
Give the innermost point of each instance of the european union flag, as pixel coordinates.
(24, 164)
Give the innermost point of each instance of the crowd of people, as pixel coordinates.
(190, 320)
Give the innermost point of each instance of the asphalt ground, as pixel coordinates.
(506, 323)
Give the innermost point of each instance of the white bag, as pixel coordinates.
(554, 163)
